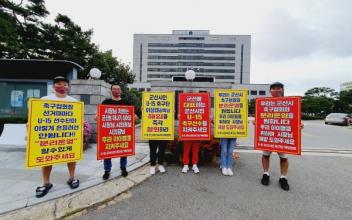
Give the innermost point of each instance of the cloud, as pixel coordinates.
(323, 29)
(282, 37)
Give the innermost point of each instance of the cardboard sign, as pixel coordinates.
(115, 131)
(231, 113)
(278, 125)
(158, 110)
(194, 116)
(54, 133)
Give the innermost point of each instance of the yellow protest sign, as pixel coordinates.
(54, 133)
(158, 110)
(231, 113)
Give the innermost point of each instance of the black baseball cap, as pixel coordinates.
(276, 84)
(60, 79)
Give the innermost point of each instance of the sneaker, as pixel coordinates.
(185, 169)
(162, 169)
(152, 170)
(106, 175)
(124, 172)
(224, 171)
(265, 179)
(229, 172)
(284, 184)
(195, 168)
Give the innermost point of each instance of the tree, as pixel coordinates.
(344, 103)
(25, 35)
(251, 107)
(319, 101)
(322, 92)
(317, 106)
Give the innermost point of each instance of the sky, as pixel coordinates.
(302, 43)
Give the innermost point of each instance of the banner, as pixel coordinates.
(115, 131)
(54, 133)
(278, 125)
(231, 113)
(194, 116)
(158, 109)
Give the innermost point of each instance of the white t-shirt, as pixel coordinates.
(53, 97)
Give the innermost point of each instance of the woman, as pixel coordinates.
(227, 148)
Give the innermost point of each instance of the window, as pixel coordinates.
(254, 92)
(198, 70)
(192, 51)
(191, 38)
(201, 45)
(188, 64)
(261, 92)
(153, 57)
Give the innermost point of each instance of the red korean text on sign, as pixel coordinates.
(278, 125)
(194, 116)
(115, 131)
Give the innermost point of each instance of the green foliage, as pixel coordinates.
(133, 97)
(322, 92)
(251, 107)
(24, 35)
(320, 101)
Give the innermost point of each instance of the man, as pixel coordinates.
(276, 90)
(116, 99)
(61, 87)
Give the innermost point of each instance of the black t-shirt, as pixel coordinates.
(114, 102)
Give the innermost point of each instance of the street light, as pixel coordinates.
(190, 75)
(95, 73)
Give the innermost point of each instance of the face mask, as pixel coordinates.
(277, 93)
(116, 93)
(61, 89)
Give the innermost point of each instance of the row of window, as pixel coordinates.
(192, 51)
(199, 70)
(154, 57)
(192, 45)
(188, 64)
(191, 38)
(255, 92)
(162, 76)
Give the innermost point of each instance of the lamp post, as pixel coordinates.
(95, 73)
(190, 76)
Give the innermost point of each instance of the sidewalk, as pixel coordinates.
(17, 185)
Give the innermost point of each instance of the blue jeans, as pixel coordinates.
(108, 165)
(227, 147)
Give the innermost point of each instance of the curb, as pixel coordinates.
(81, 201)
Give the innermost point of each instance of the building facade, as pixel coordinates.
(346, 86)
(162, 57)
(219, 61)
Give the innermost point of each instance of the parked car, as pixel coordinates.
(339, 118)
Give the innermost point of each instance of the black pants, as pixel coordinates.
(155, 145)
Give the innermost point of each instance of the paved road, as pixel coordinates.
(320, 189)
(317, 135)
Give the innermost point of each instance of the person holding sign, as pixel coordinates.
(157, 125)
(116, 99)
(194, 125)
(61, 88)
(231, 112)
(276, 90)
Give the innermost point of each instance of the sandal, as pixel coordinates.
(43, 190)
(73, 183)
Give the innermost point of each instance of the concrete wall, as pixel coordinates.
(92, 93)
